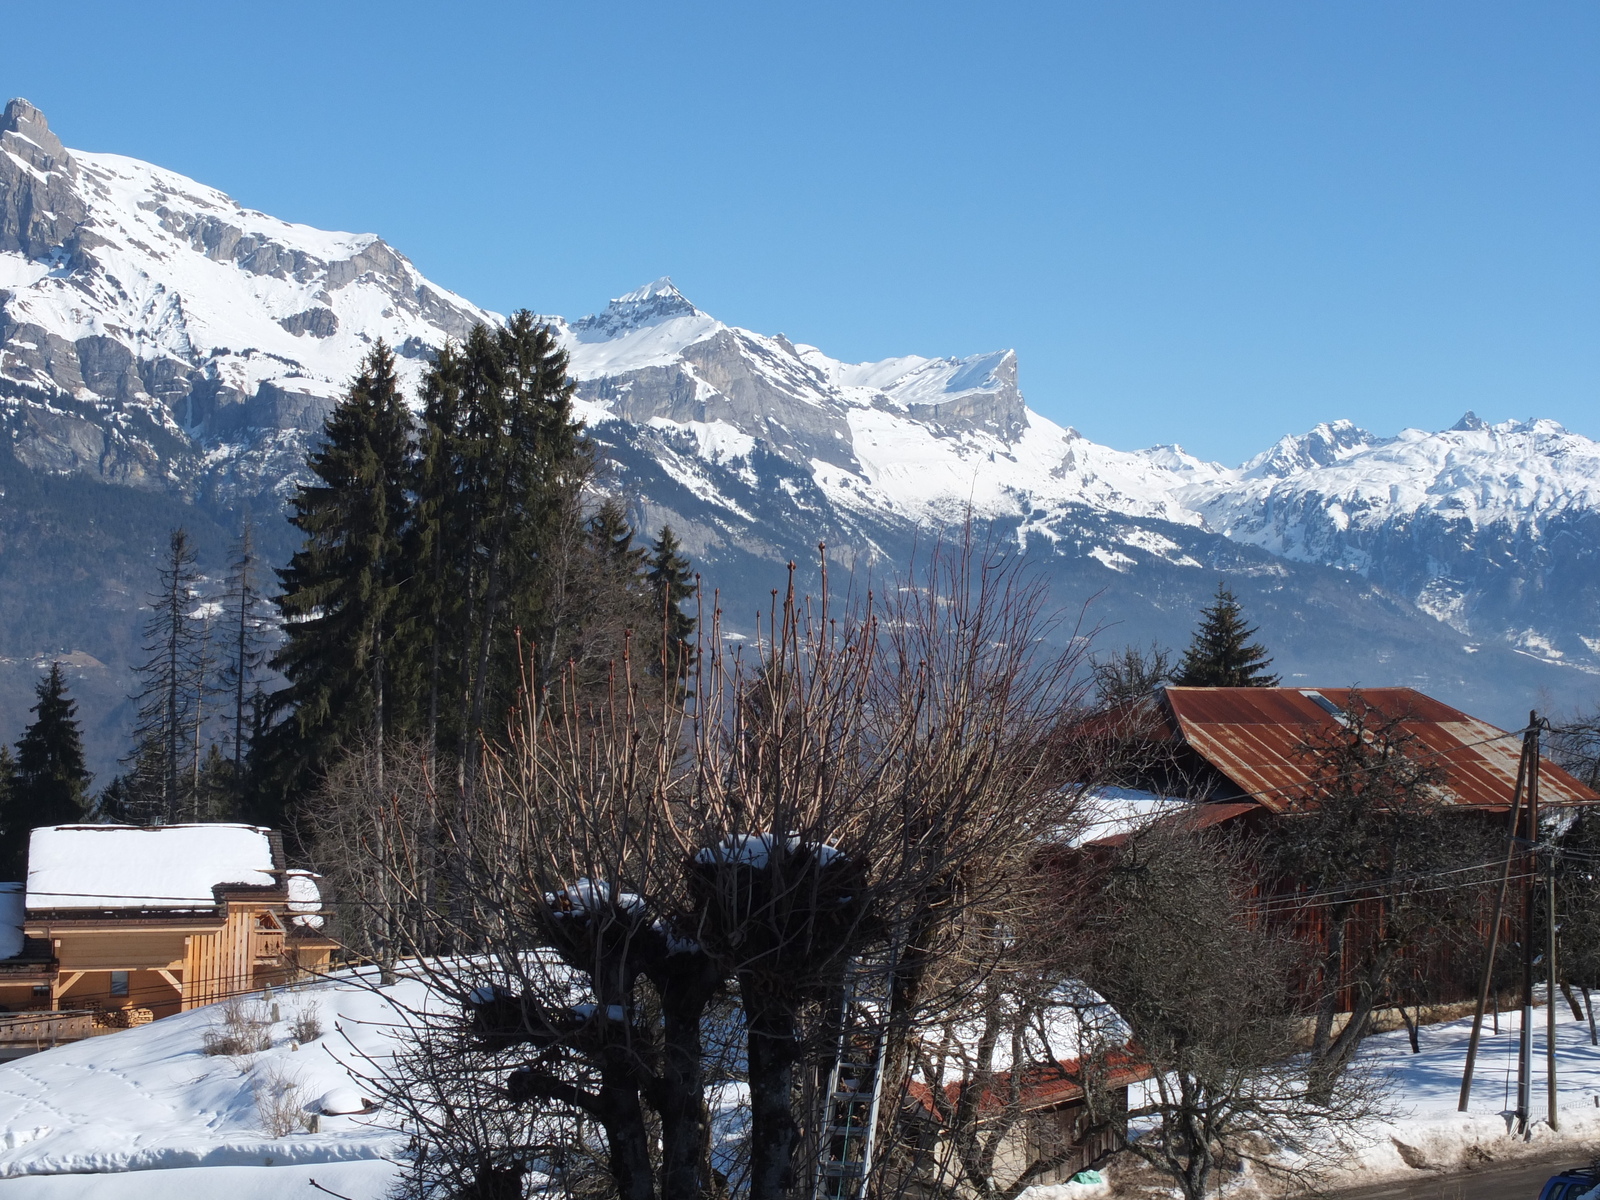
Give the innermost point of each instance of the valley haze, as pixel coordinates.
(168, 356)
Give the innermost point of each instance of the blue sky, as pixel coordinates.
(1210, 223)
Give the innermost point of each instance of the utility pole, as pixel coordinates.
(1530, 868)
(1487, 984)
(1549, 858)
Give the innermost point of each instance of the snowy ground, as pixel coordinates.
(144, 1114)
(1430, 1135)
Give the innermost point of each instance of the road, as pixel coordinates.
(1518, 1181)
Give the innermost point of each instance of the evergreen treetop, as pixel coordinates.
(671, 581)
(1221, 654)
(340, 588)
(51, 778)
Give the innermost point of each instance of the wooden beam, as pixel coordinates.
(60, 987)
(171, 978)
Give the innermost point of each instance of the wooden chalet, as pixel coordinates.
(138, 922)
(1240, 747)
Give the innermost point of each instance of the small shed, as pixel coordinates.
(1052, 1118)
(149, 920)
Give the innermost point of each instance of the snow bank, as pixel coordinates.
(130, 866)
(369, 1179)
(148, 1100)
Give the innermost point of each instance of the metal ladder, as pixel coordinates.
(855, 1084)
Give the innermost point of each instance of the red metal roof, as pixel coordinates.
(1044, 1085)
(1252, 736)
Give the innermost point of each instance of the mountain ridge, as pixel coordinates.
(157, 335)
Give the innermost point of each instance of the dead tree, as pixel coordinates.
(850, 790)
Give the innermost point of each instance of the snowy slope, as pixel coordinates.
(149, 1099)
(1490, 528)
(142, 1114)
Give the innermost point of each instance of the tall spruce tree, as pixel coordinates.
(503, 464)
(341, 619)
(243, 618)
(169, 690)
(51, 780)
(8, 782)
(1221, 654)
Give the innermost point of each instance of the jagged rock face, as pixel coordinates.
(154, 332)
(40, 209)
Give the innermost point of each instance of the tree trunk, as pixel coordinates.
(627, 1137)
(1588, 1002)
(770, 1053)
(1332, 977)
(679, 1097)
(1572, 1001)
(1411, 1027)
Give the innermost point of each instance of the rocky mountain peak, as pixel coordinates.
(1322, 446)
(25, 133)
(39, 203)
(656, 301)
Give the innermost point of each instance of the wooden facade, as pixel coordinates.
(143, 961)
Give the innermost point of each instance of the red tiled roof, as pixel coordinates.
(1252, 736)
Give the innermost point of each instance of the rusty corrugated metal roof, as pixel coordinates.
(1252, 736)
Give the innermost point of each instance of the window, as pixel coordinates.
(119, 983)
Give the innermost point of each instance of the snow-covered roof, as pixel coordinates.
(131, 866)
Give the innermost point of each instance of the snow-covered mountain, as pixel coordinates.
(150, 315)
(1490, 528)
(157, 335)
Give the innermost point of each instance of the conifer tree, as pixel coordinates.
(1221, 654)
(8, 780)
(671, 581)
(503, 464)
(51, 780)
(341, 619)
(613, 536)
(243, 618)
(167, 695)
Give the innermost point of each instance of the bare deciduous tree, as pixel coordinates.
(1174, 944)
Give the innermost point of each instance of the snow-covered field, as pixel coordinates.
(146, 1114)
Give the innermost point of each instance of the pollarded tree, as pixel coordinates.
(340, 614)
(1222, 654)
(51, 780)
